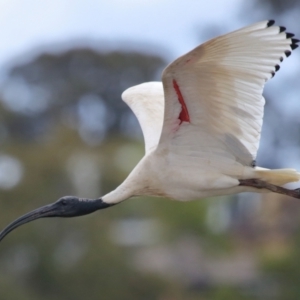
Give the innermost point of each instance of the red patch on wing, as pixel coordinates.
(184, 114)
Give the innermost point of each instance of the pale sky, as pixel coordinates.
(168, 26)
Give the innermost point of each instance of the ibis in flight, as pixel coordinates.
(201, 125)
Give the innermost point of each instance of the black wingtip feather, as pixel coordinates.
(282, 28)
(273, 74)
(294, 46)
(287, 53)
(270, 23)
(281, 59)
(289, 35)
(295, 41)
(277, 67)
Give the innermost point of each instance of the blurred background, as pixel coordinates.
(64, 130)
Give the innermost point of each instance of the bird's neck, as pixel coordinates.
(133, 185)
(116, 196)
(97, 204)
(87, 206)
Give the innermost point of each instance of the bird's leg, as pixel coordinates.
(260, 184)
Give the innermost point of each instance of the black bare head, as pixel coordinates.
(68, 206)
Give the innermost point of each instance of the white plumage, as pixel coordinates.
(202, 124)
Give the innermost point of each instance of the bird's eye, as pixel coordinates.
(64, 202)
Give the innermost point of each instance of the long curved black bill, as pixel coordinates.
(44, 211)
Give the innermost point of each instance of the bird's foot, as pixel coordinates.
(297, 191)
(260, 184)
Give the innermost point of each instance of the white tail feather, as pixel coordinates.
(278, 176)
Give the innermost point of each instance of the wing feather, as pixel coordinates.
(222, 82)
(147, 102)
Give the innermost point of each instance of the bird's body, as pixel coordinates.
(201, 125)
(163, 173)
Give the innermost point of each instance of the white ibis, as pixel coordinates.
(201, 125)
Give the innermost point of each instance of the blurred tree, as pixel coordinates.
(81, 88)
(43, 102)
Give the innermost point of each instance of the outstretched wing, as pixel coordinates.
(147, 102)
(213, 94)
